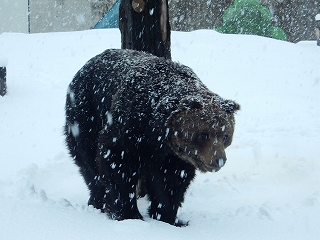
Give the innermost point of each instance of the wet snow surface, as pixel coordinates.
(268, 189)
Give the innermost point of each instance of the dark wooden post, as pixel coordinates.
(144, 26)
(3, 84)
(318, 29)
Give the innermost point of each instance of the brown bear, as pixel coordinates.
(135, 118)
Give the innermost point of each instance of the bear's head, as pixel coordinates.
(199, 131)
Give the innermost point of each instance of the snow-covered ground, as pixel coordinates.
(3, 61)
(269, 188)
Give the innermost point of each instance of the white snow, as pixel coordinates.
(182, 174)
(75, 129)
(113, 165)
(268, 189)
(317, 17)
(107, 154)
(109, 117)
(3, 61)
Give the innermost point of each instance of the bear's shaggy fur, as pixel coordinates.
(135, 118)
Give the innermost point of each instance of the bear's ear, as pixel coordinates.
(192, 103)
(229, 106)
(187, 103)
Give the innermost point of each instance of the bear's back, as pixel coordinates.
(132, 74)
(134, 86)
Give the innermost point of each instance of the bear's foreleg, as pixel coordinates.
(166, 189)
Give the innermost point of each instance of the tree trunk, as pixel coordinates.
(3, 85)
(317, 32)
(144, 26)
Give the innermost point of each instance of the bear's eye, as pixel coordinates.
(225, 139)
(204, 136)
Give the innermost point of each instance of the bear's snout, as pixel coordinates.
(221, 162)
(216, 165)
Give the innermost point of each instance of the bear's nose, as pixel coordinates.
(216, 165)
(220, 162)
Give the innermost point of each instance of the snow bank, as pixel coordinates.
(268, 189)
